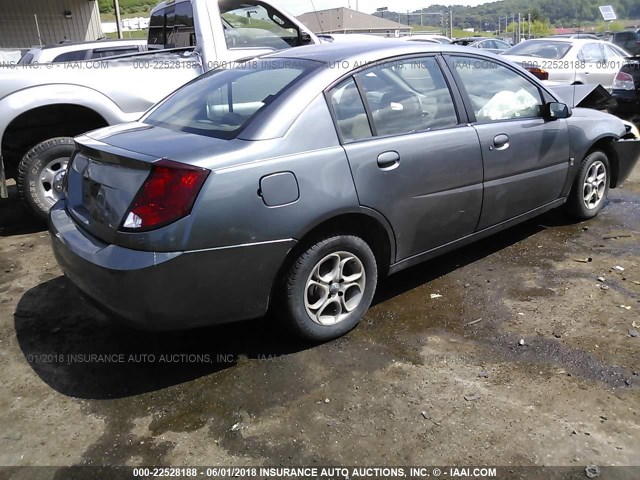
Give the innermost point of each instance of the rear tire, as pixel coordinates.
(590, 187)
(328, 288)
(40, 174)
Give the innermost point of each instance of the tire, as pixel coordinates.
(588, 197)
(303, 289)
(40, 174)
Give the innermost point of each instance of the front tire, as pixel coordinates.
(590, 187)
(328, 288)
(41, 172)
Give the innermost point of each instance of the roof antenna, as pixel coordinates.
(317, 17)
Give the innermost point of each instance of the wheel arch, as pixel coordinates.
(38, 113)
(605, 144)
(366, 223)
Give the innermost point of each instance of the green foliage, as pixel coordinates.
(560, 13)
(539, 28)
(614, 26)
(128, 6)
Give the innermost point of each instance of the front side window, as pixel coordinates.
(220, 103)
(408, 96)
(255, 26)
(495, 91)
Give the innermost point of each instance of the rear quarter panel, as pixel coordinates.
(230, 210)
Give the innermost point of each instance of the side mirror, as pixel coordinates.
(556, 110)
(305, 38)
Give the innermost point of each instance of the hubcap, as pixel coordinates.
(50, 183)
(335, 288)
(595, 185)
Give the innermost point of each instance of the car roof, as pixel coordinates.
(106, 42)
(383, 47)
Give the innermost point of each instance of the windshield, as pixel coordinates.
(540, 48)
(220, 103)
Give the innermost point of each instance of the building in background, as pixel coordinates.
(27, 23)
(345, 20)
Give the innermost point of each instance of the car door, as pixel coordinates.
(526, 158)
(413, 159)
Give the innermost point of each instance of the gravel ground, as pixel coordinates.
(526, 359)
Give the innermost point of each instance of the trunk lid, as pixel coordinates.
(101, 183)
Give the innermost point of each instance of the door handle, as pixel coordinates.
(388, 160)
(501, 142)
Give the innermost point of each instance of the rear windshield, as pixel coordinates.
(540, 48)
(220, 103)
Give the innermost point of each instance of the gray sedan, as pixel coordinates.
(295, 181)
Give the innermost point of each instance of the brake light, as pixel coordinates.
(623, 81)
(167, 195)
(539, 73)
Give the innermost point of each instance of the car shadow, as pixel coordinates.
(420, 274)
(80, 352)
(14, 217)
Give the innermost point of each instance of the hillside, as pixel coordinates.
(483, 17)
(558, 12)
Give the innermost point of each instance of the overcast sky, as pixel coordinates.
(298, 7)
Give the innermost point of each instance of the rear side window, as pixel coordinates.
(221, 103)
(156, 29)
(76, 56)
(591, 53)
(350, 113)
(541, 48)
(495, 91)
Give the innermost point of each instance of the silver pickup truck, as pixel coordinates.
(42, 107)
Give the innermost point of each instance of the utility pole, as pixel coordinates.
(519, 27)
(529, 24)
(116, 7)
(451, 23)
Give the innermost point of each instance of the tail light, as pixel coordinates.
(623, 81)
(166, 196)
(539, 73)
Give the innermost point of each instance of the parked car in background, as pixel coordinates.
(41, 113)
(289, 185)
(492, 45)
(626, 90)
(421, 39)
(81, 51)
(590, 36)
(10, 56)
(628, 40)
(427, 36)
(571, 61)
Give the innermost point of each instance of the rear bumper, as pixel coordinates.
(168, 291)
(627, 102)
(628, 153)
